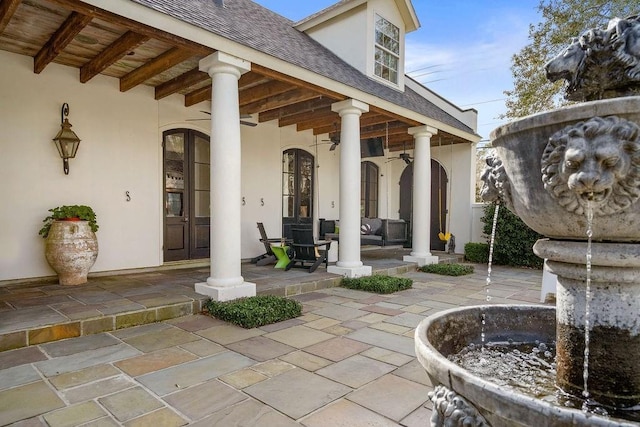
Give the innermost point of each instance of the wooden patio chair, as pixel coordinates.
(306, 251)
(268, 257)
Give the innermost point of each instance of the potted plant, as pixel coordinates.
(71, 246)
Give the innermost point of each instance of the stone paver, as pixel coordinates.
(74, 362)
(305, 360)
(337, 349)
(13, 407)
(384, 339)
(130, 403)
(18, 375)
(160, 339)
(183, 376)
(299, 336)
(297, 393)
(163, 417)
(356, 371)
(391, 396)
(247, 413)
(190, 402)
(73, 415)
(260, 348)
(344, 413)
(155, 361)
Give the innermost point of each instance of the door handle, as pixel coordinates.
(185, 219)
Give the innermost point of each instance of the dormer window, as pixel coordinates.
(387, 48)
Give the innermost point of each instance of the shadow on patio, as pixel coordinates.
(36, 312)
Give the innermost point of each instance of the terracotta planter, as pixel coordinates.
(71, 250)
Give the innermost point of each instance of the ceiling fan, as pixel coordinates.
(242, 116)
(403, 156)
(335, 139)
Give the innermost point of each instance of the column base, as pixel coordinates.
(350, 272)
(226, 293)
(421, 259)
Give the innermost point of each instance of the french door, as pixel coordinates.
(186, 195)
(297, 190)
(438, 202)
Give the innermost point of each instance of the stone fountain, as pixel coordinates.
(567, 174)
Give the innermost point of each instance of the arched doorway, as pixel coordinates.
(297, 190)
(186, 194)
(439, 181)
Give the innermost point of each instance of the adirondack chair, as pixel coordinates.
(306, 251)
(268, 257)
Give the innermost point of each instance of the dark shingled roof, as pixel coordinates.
(252, 25)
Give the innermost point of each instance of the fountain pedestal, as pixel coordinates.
(614, 324)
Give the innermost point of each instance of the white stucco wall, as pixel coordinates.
(346, 36)
(119, 152)
(351, 36)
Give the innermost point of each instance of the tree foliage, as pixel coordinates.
(561, 21)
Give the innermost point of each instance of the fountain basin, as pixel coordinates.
(447, 332)
(521, 144)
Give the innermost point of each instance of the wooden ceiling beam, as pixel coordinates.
(248, 80)
(180, 82)
(382, 131)
(64, 35)
(371, 118)
(152, 33)
(159, 64)
(305, 116)
(262, 91)
(197, 96)
(7, 9)
(276, 75)
(394, 116)
(309, 105)
(116, 50)
(328, 120)
(277, 101)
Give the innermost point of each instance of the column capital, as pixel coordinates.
(349, 106)
(220, 62)
(424, 130)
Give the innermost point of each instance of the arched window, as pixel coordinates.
(368, 190)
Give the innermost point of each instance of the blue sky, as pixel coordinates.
(462, 50)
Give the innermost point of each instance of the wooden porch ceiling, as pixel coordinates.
(95, 41)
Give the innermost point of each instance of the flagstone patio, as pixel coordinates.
(348, 360)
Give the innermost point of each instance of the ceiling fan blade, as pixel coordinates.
(333, 147)
(246, 123)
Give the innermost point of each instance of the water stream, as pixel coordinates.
(488, 281)
(587, 315)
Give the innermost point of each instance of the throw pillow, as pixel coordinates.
(365, 229)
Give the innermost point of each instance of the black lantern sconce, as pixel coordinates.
(66, 140)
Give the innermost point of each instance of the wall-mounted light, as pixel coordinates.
(66, 140)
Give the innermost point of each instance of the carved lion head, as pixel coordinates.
(595, 161)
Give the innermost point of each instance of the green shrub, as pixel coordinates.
(252, 312)
(513, 243)
(82, 212)
(447, 269)
(379, 284)
(476, 252)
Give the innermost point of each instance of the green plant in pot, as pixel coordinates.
(71, 246)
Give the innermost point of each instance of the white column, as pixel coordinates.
(421, 218)
(349, 263)
(225, 281)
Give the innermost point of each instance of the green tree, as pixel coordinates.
(561, 21)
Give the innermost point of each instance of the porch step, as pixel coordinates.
(37, 313)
